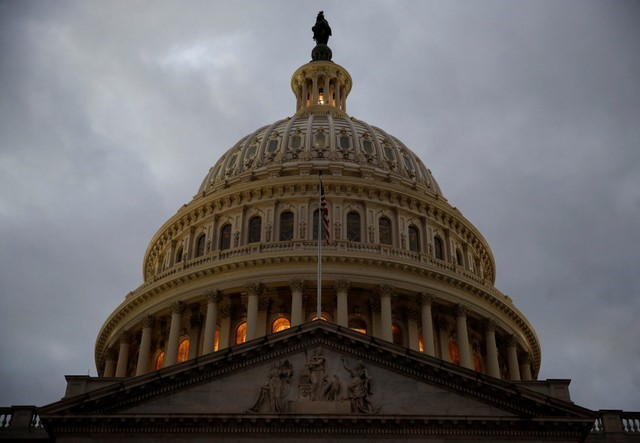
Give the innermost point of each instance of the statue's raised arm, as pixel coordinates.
(321, 30)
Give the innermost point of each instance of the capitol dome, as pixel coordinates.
(240, 261)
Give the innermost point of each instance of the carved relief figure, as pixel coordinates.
(275, 389)
(316, 367)
(359, 390)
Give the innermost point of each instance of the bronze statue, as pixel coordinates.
(321, 30)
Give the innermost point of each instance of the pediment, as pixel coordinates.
(318, 369)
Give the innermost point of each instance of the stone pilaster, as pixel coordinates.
(512, 359)
(171, 352)
(463, 337)
(342, 295)
(428, 341)
(211, 320)
(493, 366)
(195, 322)
(412, 329)
(297, 289)
(225, 324)
(386, 324)
(253, 292)
(144, 355)
(123, 355)
(263, 312)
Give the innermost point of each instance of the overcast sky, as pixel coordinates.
(526, 112)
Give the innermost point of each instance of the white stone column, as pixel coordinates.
(111, 357)
(376, 329)
(427, 324)
(525, 369)
(512, 358)
(493, 366)
(297, 288)
(463, 337)
(144, 355)
(253, 291)
(171, 352)
(443, 334)
(342, 295)
(225, 324)
(194, 333)
(210, 322)
(123, 355)
(263, 312)
(338, 98)
(386, 324)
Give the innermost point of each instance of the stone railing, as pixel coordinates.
(615, 425)
(21, 422)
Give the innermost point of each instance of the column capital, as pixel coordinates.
(461, 311)
(178, 308)
(297, 284)
(385, 291)
(148, 322)
(342, 285)
(253, 289)
(426, 298)
(214, 296)
(111, 354)
(490, 325)
(126, 337)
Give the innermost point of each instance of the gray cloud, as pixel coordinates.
(527, 114)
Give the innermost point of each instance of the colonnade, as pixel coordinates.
(381, 322)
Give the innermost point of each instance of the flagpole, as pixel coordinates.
(320, 231)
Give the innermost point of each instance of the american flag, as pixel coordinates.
(324, 211)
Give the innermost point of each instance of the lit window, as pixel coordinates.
(323, 317)
(216, 341)
(255, 226)
(286, 226)
(241, 333)
(225, 237)
(321, 97)
(420, 341)
(397, 334)
(414, 239)
(200, 245)
(358, 325)
(280, 324)
(384, 228)
(353, 226)
(159, 360)
(183, 350)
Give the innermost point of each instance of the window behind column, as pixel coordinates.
(159, 360)
(183, 350)
(396, 331)
(280, 324)
(241, 333)
(358, 325)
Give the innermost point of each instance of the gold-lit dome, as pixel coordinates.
(240, 260)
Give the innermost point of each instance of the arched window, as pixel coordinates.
(179, 255)
(286, 226)
(420, 341)
(200, 244)
(159, 361)
(225, 237)
(459, 260)
(315, 226)
(323, 316)
(183, 350)
(216, 340)
(439, 250)
(358, 324)
(353, 226)
(414, 239)
(241, 333)
(280, 324)
(397, 334)
(255, 228)
(384, 229)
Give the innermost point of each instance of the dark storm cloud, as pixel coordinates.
(526, 112)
